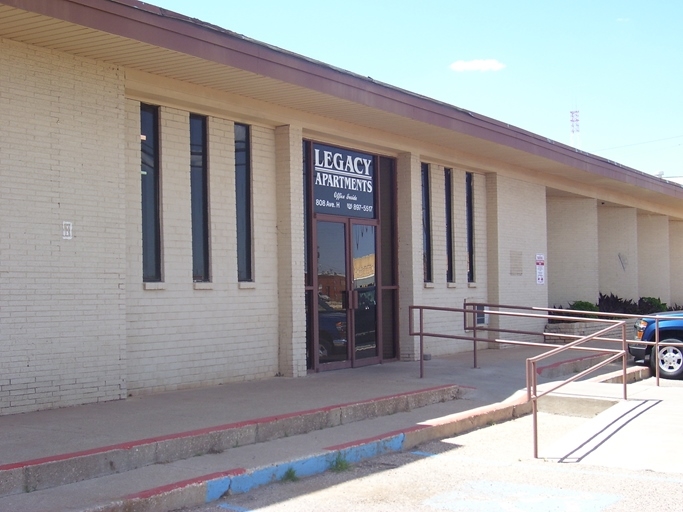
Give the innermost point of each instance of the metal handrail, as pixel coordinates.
(467, 310)
(531, 375)
(532, 385)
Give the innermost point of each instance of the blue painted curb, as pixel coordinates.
(313, 465)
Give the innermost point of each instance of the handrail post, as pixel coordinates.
(655, 352)
(422, 344)
(534, 407)
(528, 380)
(474, 335)
(624, 347)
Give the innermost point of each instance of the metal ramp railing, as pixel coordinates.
(470, 310)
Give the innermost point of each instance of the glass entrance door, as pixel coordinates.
(364, 281)
(347, 298)
(333, 303)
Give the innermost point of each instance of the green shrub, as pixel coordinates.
(583, 305)
(613, 304)
(574, 307)
(649, 305)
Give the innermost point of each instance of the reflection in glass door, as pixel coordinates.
(332, 292)
(364, 306)
(350, 274)
(347, 296)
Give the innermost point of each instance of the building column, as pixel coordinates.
(572, 250)
(675, 263)
(654, 276)
(618, 251)
(516, 237)
(290, 237)
(410, 272)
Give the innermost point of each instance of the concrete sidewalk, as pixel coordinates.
(168, 450)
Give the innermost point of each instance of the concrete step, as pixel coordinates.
(202, 479)
(186, 464)
(205, 478)
(59, 470)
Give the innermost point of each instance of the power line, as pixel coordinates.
(641, 143)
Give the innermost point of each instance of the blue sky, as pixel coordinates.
(619, 63)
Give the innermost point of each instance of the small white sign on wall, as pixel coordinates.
(540, 269)
(67, 230)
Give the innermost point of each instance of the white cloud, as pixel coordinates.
(477, 65)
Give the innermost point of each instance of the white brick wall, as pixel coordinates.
(181, 335)
(572, 250)
(62, 325)
(290, 228)
(675, 251)
(618, 246)
(409, 225)
(78, 325)
(654, 276)
(517, 233)
(439, 292)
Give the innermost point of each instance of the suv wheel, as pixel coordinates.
(670, 360)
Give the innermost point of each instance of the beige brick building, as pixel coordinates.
(173, 198)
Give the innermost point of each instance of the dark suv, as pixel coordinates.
(670, 358)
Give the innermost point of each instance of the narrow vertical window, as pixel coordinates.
(149, 175)
(306, 148)
(243, 202)
(426, 226)
(199, 199)
(448, 185)
(469, 200)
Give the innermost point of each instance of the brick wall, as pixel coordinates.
(517, 233)
(654, 276)
(77, 324)
(572, 250)
(675, 251)
(618, 247)
(409, 224)
(439, 292)
(62, 323)
(290, 228)
(182, 334)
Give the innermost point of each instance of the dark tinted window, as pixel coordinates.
(469, 191)
(448, 184)
(426, 226)
(199, 199)
(149, 176)
(243, 202)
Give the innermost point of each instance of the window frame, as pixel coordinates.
(469, 215)
(150, 193)
(199, 199)
(243, 204)
(450, 244)
(427, 264)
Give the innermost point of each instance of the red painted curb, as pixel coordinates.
(379, 437)
(184, 483)
(541, 369)
(192, 433)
